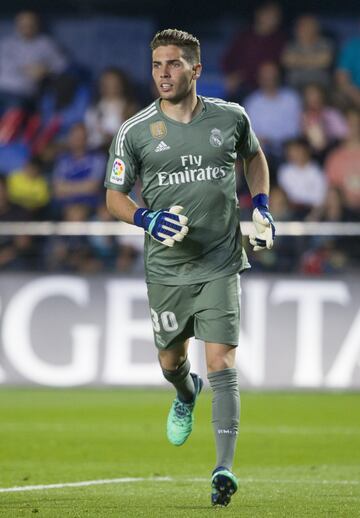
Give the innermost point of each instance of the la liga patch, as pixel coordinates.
(118, 172)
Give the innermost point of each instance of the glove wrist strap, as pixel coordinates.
(261, 200)
(139, 218)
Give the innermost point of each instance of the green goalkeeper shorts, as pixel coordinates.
(210, 311)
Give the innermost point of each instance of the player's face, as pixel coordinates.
(173, 75)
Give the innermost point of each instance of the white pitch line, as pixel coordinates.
(129, 480)
(100, 482)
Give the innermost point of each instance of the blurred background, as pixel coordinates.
(73, 304)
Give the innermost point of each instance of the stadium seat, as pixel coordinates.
(13, 156)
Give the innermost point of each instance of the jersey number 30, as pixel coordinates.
(168, 321)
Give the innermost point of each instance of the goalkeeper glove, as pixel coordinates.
(264, 224)
(165, 226)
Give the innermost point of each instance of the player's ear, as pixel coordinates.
(197, 71)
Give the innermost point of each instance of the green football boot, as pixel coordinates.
(181, 419)
(223, 485)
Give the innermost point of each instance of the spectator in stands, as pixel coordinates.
(72, 253)
(343, 164)
(274, 110)
(308, 58)
(322, 125)
(281, 205)
(26, 58)
(323, 258)
(301, 178)
(105, 248)
(114, 104)
(252, 47)
(121, 253)
(8, 210)
(28, 188)
(330, 253)
(348, 72)
(78, 173)
(332, 209)
(131, 250)
(62, 105)
(17, 252)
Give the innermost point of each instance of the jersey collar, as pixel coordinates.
(173, 121)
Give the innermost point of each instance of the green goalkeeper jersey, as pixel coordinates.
(192, 165)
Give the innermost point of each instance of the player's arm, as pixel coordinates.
(121, 175)
(165, 226)
(257, 173)
(120, 206)
(257, 177)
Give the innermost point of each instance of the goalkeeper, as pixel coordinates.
(183, 149)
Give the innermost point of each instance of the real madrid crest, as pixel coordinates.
(216, 138)
(158, 129)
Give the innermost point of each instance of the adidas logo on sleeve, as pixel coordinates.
(161, 147)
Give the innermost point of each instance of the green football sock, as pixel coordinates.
(225, 414)
(182, 381)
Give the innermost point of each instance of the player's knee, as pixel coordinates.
(170, 362)
(219, 363)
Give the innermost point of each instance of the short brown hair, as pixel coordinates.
(184, 40)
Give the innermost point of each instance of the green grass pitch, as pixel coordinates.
(298, 455)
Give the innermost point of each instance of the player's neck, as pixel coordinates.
(184, 110)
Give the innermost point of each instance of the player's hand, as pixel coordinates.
(166, 226)
(264, 224)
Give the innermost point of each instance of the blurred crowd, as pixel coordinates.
(300, 87)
